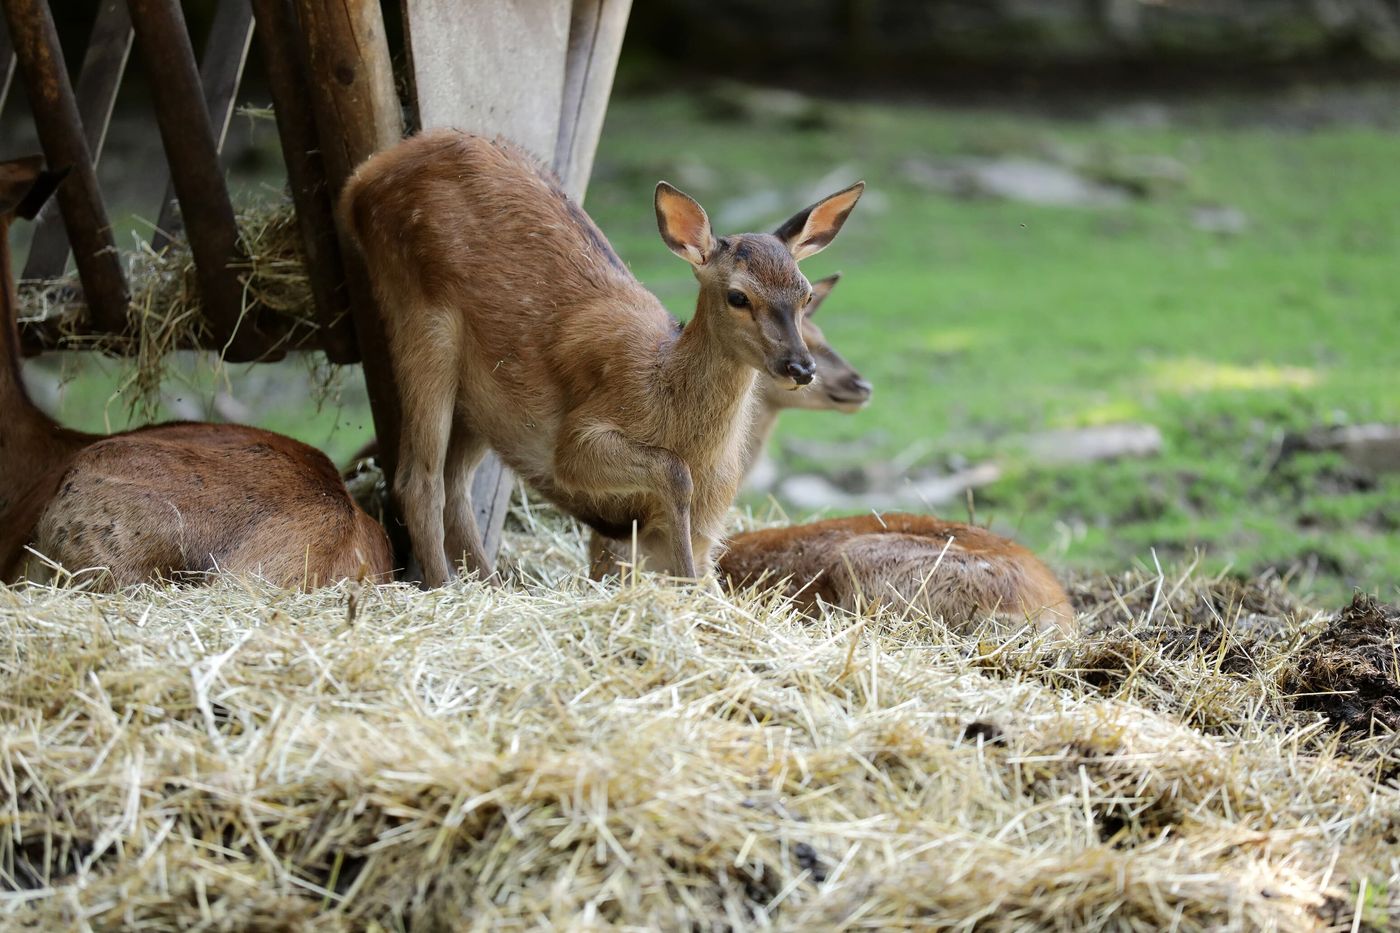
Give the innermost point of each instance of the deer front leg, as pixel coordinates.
(598, 460)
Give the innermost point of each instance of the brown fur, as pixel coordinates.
(167, 500)
(512, 325)
(837, 386)
(960, 573)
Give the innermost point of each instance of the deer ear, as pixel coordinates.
(809, 231)
(685, 229)
(820, 289)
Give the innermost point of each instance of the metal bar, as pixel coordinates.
(220, 70)
(357, 114)
(100, 77)
(193, 157)
(306, 173)
(60, 130)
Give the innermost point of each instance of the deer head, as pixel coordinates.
(836, 386)
(752, 295)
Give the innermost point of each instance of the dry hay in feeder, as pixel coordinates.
(165, 312)
(556, 754)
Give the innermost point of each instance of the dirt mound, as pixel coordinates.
(1351, 672)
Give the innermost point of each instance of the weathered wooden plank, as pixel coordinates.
(193, 159)
(220, 70)
(100, 77)
(59, 333)
(60, 131)
(287, 80)
(491, 67)
(498, 68)
(596, 28)
(357, 114)
(7, 63)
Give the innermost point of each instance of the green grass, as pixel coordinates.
(978, 320)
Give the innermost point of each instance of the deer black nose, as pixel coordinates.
(800, 370)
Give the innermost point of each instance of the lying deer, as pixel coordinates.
(168, 500)
(513, 324)
(960, 573)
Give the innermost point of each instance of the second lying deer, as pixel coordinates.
(514, 325)
(959, 573)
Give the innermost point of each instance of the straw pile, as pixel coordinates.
(552, 754)
(165, 312)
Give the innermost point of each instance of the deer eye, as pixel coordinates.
(738, 299)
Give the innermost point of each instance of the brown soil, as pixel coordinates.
(1351, 672)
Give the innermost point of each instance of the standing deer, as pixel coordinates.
(168, 500)
(836, 386)
(959, 573)
(513, 324)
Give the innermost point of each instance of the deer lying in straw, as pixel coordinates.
(959, 573)
(168, 500)
(513, 324)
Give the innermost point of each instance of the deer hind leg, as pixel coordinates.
(599, 460)
(464, 453)
(429, 392)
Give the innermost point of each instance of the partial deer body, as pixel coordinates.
(959, 573)
(836, 385)
(163, 501)
(513, 324)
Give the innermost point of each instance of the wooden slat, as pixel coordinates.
(7, 63)
(357, 114)
(491, 67)
(61, 333)
(498, 68)
(60, 131)
(287, 79)
(596, 28)
(193, 158)
(220, 69)
(100, 77)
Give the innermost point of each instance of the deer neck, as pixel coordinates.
(708, 384)
(31, 442)
(765, 419)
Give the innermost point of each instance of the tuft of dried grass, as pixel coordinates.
(165, 312)
(558, 754)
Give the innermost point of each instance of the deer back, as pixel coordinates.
(957, 572)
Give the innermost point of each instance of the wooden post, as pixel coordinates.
(357, 114)
(221, 68)
(193, 160)
(7, 63)
(538, 73)
(288, 80)
(61, 134)
(595, 39)
(108, 47)
(498, 68)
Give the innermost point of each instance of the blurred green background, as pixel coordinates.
(1188, 237)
